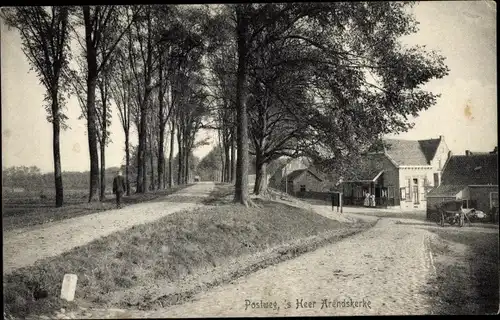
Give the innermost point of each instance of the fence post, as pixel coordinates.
(341, 200)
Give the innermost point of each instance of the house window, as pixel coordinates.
(408, 190)
(439, 164)
(464, 204)
(303, 188)
(384, 192)
(436, 179)
(403, 193)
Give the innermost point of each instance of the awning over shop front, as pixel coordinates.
(366, 176)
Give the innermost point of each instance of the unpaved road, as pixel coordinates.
(23, 247)
(385, 267)
(386, 270)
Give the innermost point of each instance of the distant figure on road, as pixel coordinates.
(119, 188)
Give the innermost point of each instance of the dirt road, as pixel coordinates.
(23, 247)
(383, 271)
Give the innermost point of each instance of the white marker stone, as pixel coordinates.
(69, 287)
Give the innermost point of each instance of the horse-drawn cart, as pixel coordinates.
(451, 212)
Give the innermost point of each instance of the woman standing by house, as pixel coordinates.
(367, 200)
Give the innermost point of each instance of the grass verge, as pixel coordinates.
(14, 216)
(172, 249)
(467, 280)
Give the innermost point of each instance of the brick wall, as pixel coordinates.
(481, 196)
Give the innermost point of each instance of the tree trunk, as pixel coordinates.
(233, 157)
(92, 137)
(103, 171)
(171, 158)
(164, 176)
(227, 161)
(179, 159)
(127, 161)
(103, 142)
(186, 166)
(151, 161)
(241, 185)
(140, 158)
(165, 173)
(161, 158)
(260, 178)
(142, 181)
(222, 171)
(56, 129)
(161, 161)
(162, 123)
(145, 169)
(91, 109)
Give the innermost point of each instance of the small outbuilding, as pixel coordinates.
(471, 178)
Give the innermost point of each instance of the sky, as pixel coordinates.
(465, 114)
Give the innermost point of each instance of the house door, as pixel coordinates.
(415, 192)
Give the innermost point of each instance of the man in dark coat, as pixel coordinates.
(119, 188)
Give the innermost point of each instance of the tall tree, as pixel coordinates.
(342, 68)
(143, 61)
(104, 121)
(103, 112)
(45, 42)
(242, 34)
(121, 90)
(104, 27)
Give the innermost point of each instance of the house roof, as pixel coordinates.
(295, 174)
(369, 168)
(429, 148)
(411, 152)
(446, 190)
(475, 169)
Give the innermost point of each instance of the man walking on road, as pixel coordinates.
(119, 188)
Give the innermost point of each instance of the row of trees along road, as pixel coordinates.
(321, 80)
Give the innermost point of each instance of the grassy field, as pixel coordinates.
(24, 209)
(467, 272)
(177, 246)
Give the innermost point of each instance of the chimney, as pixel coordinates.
(441, 137)
(467, 152)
